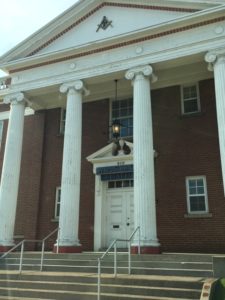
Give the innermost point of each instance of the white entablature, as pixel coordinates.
(167, 34)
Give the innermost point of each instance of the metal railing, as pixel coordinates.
(114, 245)
(22, 246)
(43, 245)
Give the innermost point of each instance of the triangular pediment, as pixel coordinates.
(78, 27)
(105, 154)
(110, 22)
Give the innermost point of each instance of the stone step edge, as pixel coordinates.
(92, 294)
(103, 275)
(103, 284)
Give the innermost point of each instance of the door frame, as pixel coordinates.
(104, 158)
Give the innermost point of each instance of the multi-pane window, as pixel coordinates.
(120, 184)
(197, 194)
(57, 202)
(62, 120)
(122, 111)
(190, 99)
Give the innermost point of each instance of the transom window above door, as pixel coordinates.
(122, 111)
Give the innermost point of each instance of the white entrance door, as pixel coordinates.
(119, 215)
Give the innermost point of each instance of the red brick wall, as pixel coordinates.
(30, 175)
(187, 146)
(29, 186)
(51, 173)
(94, 133)
(95, 136)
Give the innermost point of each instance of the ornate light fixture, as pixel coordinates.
(116, 127)
(119, 145)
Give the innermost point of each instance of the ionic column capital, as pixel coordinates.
(14, 98)
(143, 71)
(215, 57)
(77, 85)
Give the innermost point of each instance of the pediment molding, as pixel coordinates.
(104, 155)
(79, 13)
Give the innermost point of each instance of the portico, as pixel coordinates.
(62, 73)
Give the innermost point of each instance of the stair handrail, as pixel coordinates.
(11, 249)
(21, 243)
(114, 245)
(43, 245)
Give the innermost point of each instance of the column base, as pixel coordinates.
(146, 250)
(5, 248)
(68, 249)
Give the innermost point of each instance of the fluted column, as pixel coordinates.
(144, 178)
(216, 60)
(11, 169)
(71, 168)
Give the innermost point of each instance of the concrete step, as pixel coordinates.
(178, 257)
(84, 286)
(109, 270)
(74, 276)
(135, 263)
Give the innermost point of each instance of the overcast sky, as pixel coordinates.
(21, 18)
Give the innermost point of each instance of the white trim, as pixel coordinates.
(205, 194)
(5, 114)
(183, 100)
(57, 202)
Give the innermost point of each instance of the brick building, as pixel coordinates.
(162, 78)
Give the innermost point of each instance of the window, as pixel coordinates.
(122, 110)
(1, 130)
(57, 202)
(197, 201)
(190, 99)
(62, 121)
(120, 184)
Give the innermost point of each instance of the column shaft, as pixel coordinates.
(144, 178)
(71, 169)
(216, 60)
(11, 171)
(219, 71)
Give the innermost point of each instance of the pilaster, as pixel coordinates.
(144, 177)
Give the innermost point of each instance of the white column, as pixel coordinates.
(11, 169)
(144, 178)
(216, 60)
(71, 168)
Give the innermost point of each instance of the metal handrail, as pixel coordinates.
(43, 245)
(114, 245)
(21, 243)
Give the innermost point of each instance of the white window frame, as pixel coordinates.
(205, 194)
(57, 201)
(121, 119)
(62, 121)
(183, 100)
(1, 131)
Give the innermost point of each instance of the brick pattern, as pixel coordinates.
(94, 137)
(187, 146)
(29, 187)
